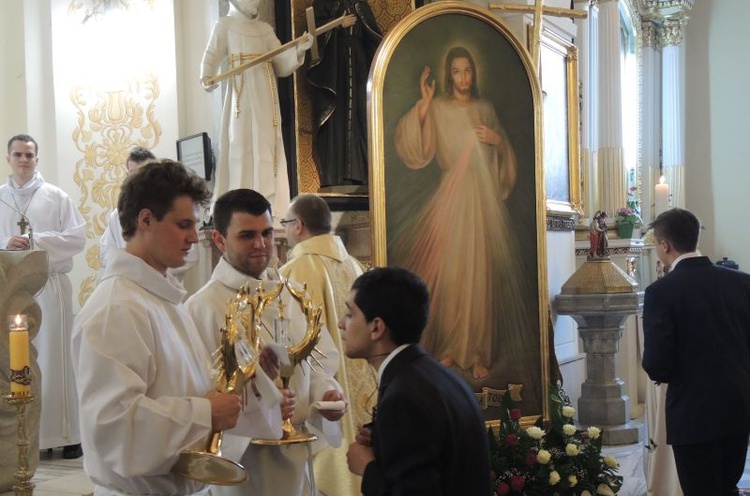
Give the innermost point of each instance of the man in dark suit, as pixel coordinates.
(697, 340)
(428, 436)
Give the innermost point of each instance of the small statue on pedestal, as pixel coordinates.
(599, 242)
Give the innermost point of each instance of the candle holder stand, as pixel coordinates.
(24, 487)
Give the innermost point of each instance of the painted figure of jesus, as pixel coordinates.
(458, 241)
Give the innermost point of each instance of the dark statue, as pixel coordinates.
(339, 92)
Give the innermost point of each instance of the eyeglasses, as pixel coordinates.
(284, 222)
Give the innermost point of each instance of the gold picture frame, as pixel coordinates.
(559, 80)
(449, 215)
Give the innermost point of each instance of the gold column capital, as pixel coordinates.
(672, 32)
(649, 34)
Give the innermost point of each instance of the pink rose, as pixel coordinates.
(515, 414)
(511, 440)
(502, 489)
(517, 483)
(530, 459)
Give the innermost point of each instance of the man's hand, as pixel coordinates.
(18, 243)
(364, 436)
(334, 415)
(225, 408)
(358, 457)
(288, 403)
(269, 362)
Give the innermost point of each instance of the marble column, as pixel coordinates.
(610, 161)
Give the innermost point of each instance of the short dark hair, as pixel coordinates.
(140, 154)
(25, 138)
(398, 297)
(678, 226)
(314, 213)
(238, 200)
(155, 186)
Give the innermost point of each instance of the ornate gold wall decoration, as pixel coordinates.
(111, 121)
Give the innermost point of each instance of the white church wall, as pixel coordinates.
(12, 80)
(717, 147)
(561, 264)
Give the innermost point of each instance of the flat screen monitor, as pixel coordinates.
(195, 153)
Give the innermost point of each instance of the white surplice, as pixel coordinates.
(142, 374)
(272, 470)
(60, 230)
(251, 150)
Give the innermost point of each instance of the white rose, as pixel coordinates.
(535, 432)
(611, 461)
(569, 429)
(568, 411)
(543, 457)
(571, 449)
(585, 493)
(554, 478)
(604, 490)
(572, 480)
(594, 432)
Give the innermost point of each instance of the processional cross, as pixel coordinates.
(539, 10)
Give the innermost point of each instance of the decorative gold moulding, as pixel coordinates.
(599, 277)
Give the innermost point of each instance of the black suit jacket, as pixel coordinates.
(428, 434)
(696, 323)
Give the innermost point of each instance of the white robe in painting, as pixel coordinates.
(143, 373)
(251, 151)
(460, 241)
(60, 230)
(273, 470)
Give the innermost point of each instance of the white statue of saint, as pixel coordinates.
(251, 151)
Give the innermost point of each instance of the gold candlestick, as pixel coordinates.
(24, 487)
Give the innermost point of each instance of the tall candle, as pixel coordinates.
(661, 196)
(20, 372)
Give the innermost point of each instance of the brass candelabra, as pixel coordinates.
(23, 475)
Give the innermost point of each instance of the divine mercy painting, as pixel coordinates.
(455, 196)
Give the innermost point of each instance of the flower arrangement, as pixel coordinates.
(558, 461)
(631, 212)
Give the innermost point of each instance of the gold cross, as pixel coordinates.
(22, 224)
(539, 10)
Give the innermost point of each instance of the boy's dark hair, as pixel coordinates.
(238, 200)
(25, 138)
(314, 213)
(139, 154)
(398, 297)
(678, 226)
(155, 186)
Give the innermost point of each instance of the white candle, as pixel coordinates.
(20, 373)
(661, 197)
